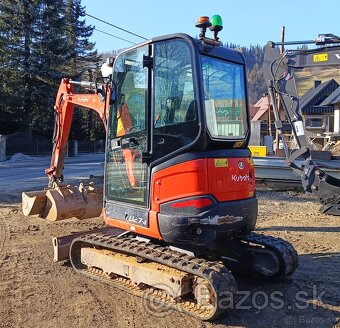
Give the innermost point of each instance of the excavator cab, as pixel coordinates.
(181, 151)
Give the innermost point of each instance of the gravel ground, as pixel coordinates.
(35, 292)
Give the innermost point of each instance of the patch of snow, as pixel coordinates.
(19, 157)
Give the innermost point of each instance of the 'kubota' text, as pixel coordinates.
(240, 178)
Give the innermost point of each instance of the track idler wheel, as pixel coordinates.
(280, 258)
(261, 256)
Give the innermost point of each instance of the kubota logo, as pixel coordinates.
(240, 178)
(241, 165)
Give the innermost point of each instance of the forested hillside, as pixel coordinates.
(256, 83)
(42, 41)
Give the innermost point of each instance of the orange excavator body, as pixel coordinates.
(193, 180)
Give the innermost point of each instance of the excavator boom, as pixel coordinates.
(279, 72)
(60, 201)
(64, 106)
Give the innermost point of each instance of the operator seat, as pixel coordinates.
(191, 114)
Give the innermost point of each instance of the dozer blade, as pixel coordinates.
(329, 195)
(64, 202)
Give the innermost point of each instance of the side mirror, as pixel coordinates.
(110, 61)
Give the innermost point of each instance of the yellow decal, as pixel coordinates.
(120, 127)
(221, 162)
(258, 151)
(320, 58)
(251, 194)
(238, 144)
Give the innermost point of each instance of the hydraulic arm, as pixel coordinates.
(60, 201)
(279, 69)
(64, 107)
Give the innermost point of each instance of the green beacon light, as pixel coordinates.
(216, 25)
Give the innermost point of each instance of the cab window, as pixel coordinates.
(225, 98)
(175, 115)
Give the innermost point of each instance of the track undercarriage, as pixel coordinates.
(194, 285)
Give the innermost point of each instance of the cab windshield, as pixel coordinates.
(224, 98)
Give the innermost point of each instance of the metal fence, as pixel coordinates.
(33, 145)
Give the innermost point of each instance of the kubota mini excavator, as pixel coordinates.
(279, 72)
(179, 184)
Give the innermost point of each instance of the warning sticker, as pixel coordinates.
(320, 58)
(221, 162)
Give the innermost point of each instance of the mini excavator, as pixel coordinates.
(179, 199)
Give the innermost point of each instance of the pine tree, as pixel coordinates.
(5, 82)
(81, 56)
(41, 41)
(81, 51)
(17, 32)
(49, 59)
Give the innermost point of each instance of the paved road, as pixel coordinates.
(28, 174)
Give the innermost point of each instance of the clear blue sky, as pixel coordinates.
(245, 21)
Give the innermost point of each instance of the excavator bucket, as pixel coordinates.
(64, 202)
(329, 195)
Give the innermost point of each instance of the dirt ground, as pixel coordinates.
(35, 292)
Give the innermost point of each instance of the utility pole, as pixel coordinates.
(278, 99)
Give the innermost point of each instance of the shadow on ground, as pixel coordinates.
(305, 299)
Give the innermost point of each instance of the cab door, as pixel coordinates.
(175, 111)
(126, 175)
